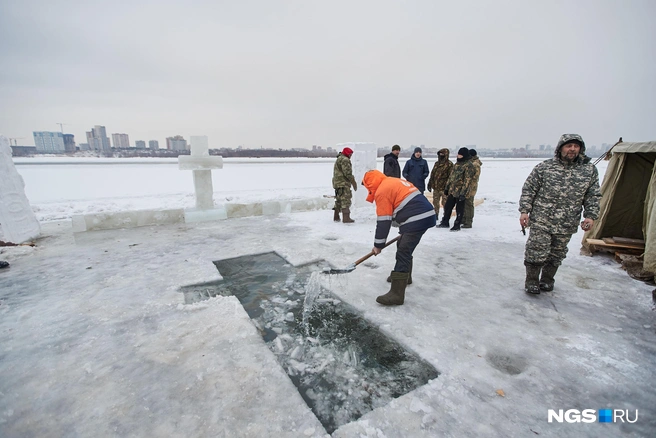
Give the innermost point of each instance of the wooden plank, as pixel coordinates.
(477, 202)
(628, 240)
(602, 244)
(608, 240)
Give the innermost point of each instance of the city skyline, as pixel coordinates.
(121, 140)
(292, 74)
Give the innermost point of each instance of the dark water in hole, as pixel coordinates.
(342, 365)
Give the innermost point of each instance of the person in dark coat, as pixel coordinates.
(391, 166)
(416, 170)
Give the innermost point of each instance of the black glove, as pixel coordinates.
(355, 186)
(461, 198)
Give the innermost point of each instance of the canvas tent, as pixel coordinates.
(628, 202)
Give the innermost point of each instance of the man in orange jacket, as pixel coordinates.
(398, 203)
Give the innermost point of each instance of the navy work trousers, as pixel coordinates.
(405, 246)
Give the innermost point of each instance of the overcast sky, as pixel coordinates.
(302, 73)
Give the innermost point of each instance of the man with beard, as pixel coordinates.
(553, 197)
(439, 176)
(391, 165)
(458, 188)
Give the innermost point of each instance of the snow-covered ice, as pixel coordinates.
(95, 339)
(17, 220)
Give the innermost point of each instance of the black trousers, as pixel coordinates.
(448, 208)
(404, 248)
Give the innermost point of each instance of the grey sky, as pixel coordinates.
(297, 73)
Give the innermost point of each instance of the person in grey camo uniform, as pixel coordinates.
(553, 197)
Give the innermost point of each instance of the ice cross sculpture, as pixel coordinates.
(18, 222)
(201, 163)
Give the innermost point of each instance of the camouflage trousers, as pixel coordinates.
(468, 216)
(343, 197)
(544, 247)
(438, 199)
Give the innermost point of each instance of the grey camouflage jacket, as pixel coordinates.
(556, 192)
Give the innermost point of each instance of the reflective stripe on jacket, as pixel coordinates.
(397, 202)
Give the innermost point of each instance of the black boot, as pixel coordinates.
(547, 279)
(396, 294)
(336, 215)
(347, 216)
(532, 283)
(4, 264)
(444, 223)
(456, 224)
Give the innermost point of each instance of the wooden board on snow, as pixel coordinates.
(628, 240)
(477, 202)
(601, 243)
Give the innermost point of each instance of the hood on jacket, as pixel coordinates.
(391, 155)
(445, 151)
(371, 181)
(569, 138)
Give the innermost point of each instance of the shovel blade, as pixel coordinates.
(345, 270)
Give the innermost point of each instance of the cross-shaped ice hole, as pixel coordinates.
(342, 365)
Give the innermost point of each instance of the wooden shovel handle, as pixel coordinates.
(372, 253)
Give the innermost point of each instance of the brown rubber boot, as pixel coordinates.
(532, 283)
(396, 294)
(336, 215)
(547, 280)
(347, 216)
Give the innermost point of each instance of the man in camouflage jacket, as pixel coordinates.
(468, 216)
(343, 180)
(439, 176)
(458, 188)
(553, 197)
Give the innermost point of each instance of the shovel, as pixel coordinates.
(352, 266)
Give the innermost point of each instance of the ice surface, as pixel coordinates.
(18, 222)
(95, 339)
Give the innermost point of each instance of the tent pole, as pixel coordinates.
(607, 154)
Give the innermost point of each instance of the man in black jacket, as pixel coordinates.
(391, 166)
(416, 170)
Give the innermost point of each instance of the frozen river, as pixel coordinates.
(60, 187)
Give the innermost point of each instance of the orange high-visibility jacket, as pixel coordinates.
(397, 202)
